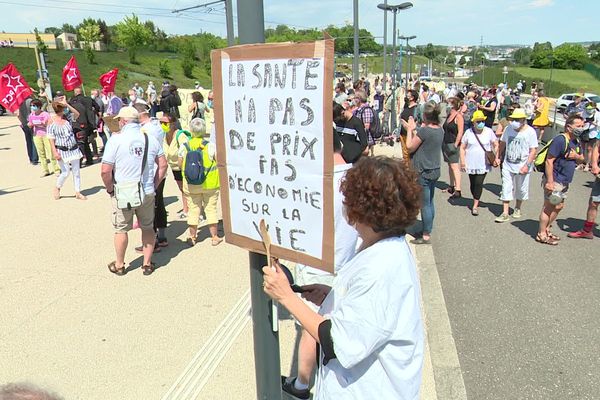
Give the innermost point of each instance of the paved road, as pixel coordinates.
(525, 316)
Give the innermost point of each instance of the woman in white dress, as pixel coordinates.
(64, 146)
(369, 324)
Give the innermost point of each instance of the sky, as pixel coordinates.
(446, 22)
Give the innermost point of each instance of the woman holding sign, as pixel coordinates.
(369, 325)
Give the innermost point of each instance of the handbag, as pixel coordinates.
(131, 194)
(490, 156)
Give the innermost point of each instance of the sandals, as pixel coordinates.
(79, 196)
(546, 240)
(112, 267)
(216, 241)
(475, 212)
(552, 236)
(148, 269)
(191, 241)
(421, 241)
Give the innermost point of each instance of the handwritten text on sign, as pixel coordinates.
(273, 127)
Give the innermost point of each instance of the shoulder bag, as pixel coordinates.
(490, 156)
(131, 194)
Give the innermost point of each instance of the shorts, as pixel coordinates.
(123, 219)
(306, 275)
(450, 152)
(559, 187)
(206, 201)
(514, 183)
(595, 196)
(178, 176)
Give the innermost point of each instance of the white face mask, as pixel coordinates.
(132, 98)
(516, 125)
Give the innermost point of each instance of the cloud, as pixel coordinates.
(540, 3)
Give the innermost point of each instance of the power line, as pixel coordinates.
(129, 6)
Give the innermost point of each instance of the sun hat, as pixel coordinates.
(578, 94)
(478, 116)
(518, 113)
(128, 113)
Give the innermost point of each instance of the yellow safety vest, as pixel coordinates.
(210, 166)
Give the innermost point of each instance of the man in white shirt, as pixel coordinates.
(132, 156)
(134, 98)
(518, 145)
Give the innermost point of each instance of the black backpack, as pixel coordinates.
(375, 129)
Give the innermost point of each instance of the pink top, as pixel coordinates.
(39, 122)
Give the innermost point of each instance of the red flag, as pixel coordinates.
(13, 88)
(71, 77)
(108, 80)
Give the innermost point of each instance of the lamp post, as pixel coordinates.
(551, 70)
(384, 44)
(505, 73)
(356, 49)
(408, 70)
(395, 9)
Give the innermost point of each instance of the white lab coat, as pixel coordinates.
(377, 332)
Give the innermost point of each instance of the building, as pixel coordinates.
(28, 39)
(67, 41)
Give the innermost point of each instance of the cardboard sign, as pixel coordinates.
(273, 118)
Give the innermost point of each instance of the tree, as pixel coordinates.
(89, 33)
(522, 56)
(595, 50)
(132, 34)
(570, 56)
(42, 47)
(163, 69)
(429, 51)
(463, 61)
(53, 30)
(540, 55)
(104, 31)
(451, 59)
(68, 28)
(188, 51)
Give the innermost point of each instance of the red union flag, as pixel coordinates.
(108, 80)
(71, 77)
(13, 88)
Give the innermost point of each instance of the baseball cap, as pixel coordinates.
(127, 112)
(58, 93)
(478, 116)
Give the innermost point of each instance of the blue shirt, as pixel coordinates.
(564, 169)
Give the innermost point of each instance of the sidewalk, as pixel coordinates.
(70, 325)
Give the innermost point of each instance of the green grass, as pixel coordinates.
(375, 64)
(579, 80)
(146, 70)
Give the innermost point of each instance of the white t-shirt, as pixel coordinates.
(475, 156)
(435, 98)
(125, 153)
(518, 145)
(376, 327)
(154, 129)
(345, 236)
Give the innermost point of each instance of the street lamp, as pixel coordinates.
(395, 9)
(505, 73)
(408, 70)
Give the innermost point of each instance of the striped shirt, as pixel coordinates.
(63, 136)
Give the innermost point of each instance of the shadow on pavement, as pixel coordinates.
(493, 188)
(528, 226)
(92, 190)
(170, 200)
(5, 148)
(8, 191)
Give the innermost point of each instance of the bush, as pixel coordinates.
(187, 65)
(164, 70)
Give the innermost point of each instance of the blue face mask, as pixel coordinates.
(480, 125)
(67, 111)
(210, 103)
(34, 108)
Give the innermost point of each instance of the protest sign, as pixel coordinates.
(273, 118)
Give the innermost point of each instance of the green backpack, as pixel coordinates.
(540, 159)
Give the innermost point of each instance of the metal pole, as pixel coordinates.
(410, 64)
(48, 88)
(384, 46)
(251, 29)
(407, 70)
(551, 69)
(400, 63)
(229, 20)
(355, 60)
(393, 114)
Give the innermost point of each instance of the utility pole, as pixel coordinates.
(228, 16)
(356, 49)
(251, 29)
(385, 3)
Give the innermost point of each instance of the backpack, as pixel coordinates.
(540, 158)
(194, 171)
(375, 128)
(182, 132)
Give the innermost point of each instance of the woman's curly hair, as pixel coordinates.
(383, 193)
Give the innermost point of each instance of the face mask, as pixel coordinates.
(210, 103)
(515, 124)
(66, 111)
(578, 131)
(34, 108)
(132, 98)
(165, 127)
(480, 125)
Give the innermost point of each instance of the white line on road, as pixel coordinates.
(191, 382)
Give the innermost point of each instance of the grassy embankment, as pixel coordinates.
(146, 70)
(375, 64)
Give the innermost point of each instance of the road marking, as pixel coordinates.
(195, 376)
(449, 383)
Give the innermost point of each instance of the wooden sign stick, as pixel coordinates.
(267, 242)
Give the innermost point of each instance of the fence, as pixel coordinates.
(593, 69)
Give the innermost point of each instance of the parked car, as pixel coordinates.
(564, 100)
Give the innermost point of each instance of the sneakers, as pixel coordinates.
(502, 218)
(287, 385)
(581, 234)
(517, 213)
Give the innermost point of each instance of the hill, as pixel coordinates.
(375, 64)
(147, 70)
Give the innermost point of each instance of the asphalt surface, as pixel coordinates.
(525, 316)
